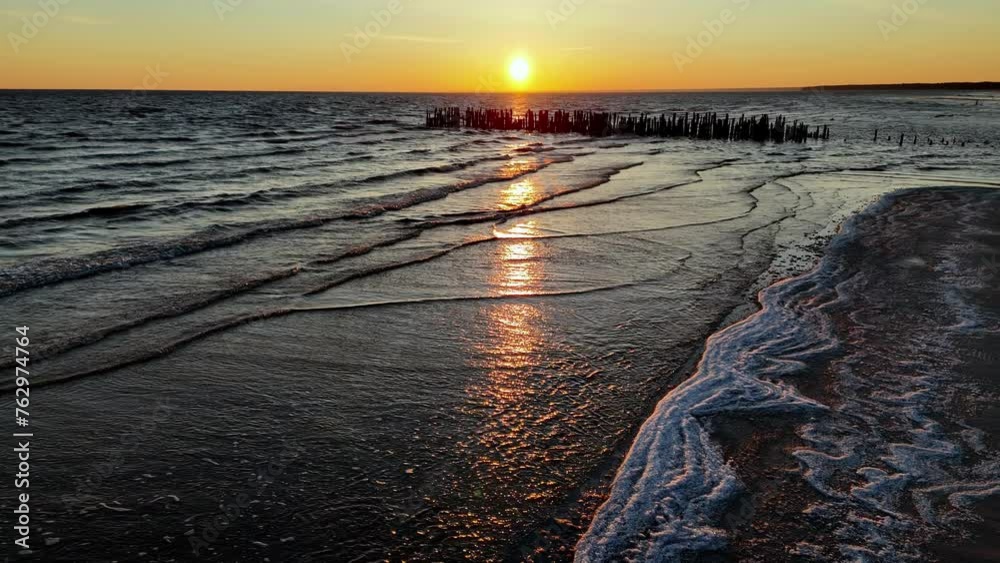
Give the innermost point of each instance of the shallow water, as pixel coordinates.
(442, 342)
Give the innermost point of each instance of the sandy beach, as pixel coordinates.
(891, 447)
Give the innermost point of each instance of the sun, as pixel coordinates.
(520, 70)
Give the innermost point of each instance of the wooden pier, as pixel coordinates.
(706, 126)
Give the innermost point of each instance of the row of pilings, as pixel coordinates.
(706, 126)
(929, 141)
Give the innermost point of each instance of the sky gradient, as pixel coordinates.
(466, 46)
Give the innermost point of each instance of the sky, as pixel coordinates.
(469, 45)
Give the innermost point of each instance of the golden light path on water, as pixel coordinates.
(517, 399)
(520, 269)
(518, 194)
(519, 231)
(518, 167)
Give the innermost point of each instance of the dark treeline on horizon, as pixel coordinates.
(913, 86)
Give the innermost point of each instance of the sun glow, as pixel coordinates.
(519, 70)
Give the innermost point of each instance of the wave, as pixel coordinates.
(57, 270)
(464, 146)
(534, 149)
(191, 146)
(236, 321)
(171, 310)
(232, 200)
(181, 161)
(229, 200)
(197, 302)
(533, 210)
(176, 309)
(15, 160)
(674, 488)
(434, 169)
(143, 111)
(163, 182)
(165, 139)
(600, 177)
(670, 493)
(958, 180)
(101, 212)
(343, 279)
(131, 163)
(272, 195)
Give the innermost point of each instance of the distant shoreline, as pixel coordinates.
(912, 86)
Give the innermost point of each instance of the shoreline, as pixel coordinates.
(766, 447)
(573, 517)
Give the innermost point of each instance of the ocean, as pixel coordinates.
(304, 327)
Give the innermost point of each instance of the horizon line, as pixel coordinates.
(987, 84)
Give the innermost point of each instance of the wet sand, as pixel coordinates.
(930, 248)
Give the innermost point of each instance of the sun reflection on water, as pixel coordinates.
(518, 231)
(513, 396)
(517, 195)
(518, 398)
(518, 268)
(518, 167)
(518, 455)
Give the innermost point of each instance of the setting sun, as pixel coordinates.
(519, 70)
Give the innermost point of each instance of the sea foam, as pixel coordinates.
(674, 487)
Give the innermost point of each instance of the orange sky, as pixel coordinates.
(461, 45)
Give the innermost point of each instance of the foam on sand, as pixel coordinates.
(675, 486)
